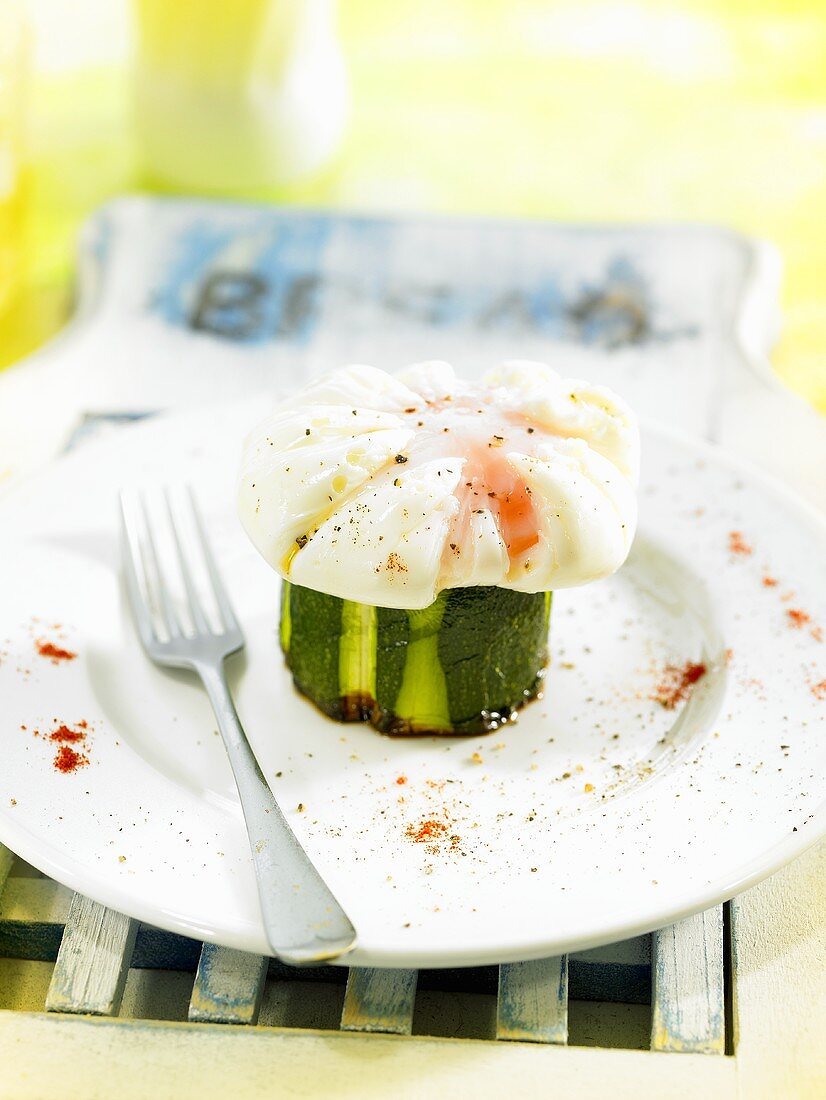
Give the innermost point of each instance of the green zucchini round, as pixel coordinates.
(463, 665)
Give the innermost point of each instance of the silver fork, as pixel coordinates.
(303, 921)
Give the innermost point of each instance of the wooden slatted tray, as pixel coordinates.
(66, 954)
(731, 1002)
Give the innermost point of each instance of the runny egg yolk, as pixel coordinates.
(490, 482)
(470, 427)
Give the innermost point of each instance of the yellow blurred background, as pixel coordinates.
(582, 110)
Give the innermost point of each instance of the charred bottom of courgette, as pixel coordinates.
(464, 665)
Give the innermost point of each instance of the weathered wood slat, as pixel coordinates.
(93, 961)
(379, 1000)
(533, 1001)
(688, 995)
(228, 986)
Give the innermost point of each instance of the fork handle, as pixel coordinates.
(304, 923)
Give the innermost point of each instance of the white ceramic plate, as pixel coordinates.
(600, 814)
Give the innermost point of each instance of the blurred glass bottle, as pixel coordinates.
(238, 95)
(14, 68)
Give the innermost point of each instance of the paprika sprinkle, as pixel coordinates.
(434, 835)
(63, 733)
(676, 683)
(797, 617)
(68, 760)
(738, 545)
(426, 831)
(55, 652)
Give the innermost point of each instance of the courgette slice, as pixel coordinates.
(463, 665)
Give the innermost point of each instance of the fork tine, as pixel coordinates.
(170, 619)
(199, 619)
(130, 554)
(221, 598)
